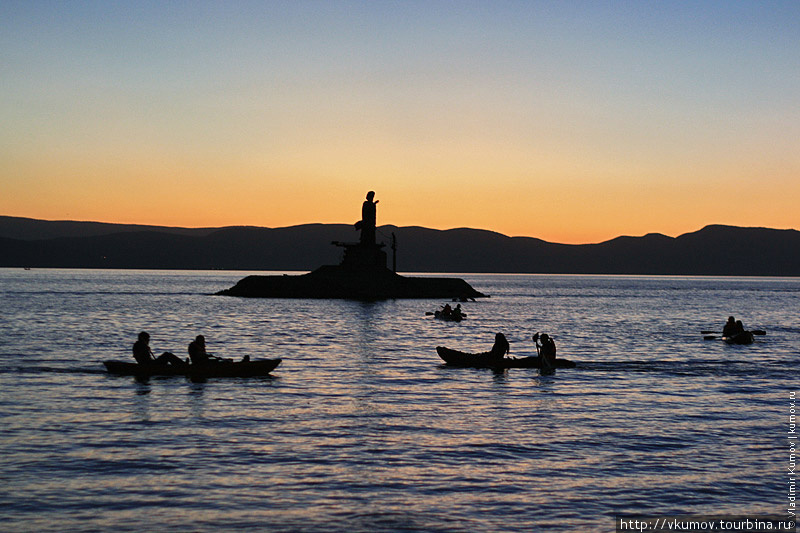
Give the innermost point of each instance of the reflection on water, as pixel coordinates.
(363, 425)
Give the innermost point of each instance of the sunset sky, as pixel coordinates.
(570, 121)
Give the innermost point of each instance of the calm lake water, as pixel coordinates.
(362, 428)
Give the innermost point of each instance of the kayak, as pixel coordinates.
(224, 369)
(453, 317)
(481, 360)
(744, 337)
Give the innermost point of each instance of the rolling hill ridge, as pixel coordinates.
(713, 250)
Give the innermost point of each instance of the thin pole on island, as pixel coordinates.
(394, 253)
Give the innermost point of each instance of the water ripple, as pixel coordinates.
(362, 428)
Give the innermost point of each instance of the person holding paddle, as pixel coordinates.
(199, 356)
(144, 355)
(732, 327)
(547, 351)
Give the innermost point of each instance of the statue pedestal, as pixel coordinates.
(362, 275)
(358, 256)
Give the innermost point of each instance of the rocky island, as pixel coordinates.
(361, 275)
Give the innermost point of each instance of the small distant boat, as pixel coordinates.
(482, 360)
(743, 337)
(450, 317)
(225, 369)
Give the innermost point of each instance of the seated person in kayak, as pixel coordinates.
(144, 355)
(729, 328)
(199, 356)
(500, 349)
(547, 348)
(732, 327)
(197, 351)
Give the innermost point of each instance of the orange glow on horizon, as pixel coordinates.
(554, 210)
(528, 120)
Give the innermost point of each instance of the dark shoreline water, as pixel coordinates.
(363, 429)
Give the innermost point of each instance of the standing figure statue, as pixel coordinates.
(368, 220)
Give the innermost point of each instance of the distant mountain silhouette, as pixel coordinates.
(713, 250)
(33, 229)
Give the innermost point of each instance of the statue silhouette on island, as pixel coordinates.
(361, 275)
(366, 254)
(368, 220)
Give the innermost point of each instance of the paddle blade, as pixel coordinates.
(758, 332)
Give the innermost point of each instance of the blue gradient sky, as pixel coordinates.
(568, 121)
